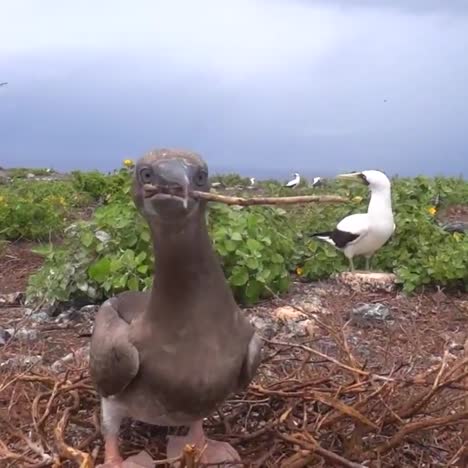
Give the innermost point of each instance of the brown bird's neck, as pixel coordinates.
(187, 270)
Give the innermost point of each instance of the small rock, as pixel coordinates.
(140, 460)
(11, 299)
(4, 336)
(288, 313)
(40, 316)
(312, 306)
(20, 362)
(267, 328)
(463, 305)
(81, 356)
(89, 309)
(26, 335)
(301, 328)
(67, 316)
(370, 315)
(368, 281)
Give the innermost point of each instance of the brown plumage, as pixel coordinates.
(172, 355)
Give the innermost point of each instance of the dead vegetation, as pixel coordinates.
(392, 397)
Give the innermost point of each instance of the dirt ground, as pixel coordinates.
(330, 391)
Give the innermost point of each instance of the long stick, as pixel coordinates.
(268, 200)
(151, 190)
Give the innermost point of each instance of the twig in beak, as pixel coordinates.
(268, 200)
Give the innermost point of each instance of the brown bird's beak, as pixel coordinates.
(171, 180)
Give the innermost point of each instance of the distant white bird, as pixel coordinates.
(252, 181)
(365, 233)
(316, 182)
(293, 183)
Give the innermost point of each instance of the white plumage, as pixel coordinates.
(365, 233)
(316, 181)
(293, 183)
(252, 181)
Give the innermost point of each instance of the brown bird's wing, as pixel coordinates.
(114, 361)
(251, 362)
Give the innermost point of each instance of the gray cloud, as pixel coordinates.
(406, 6)
(264, 88)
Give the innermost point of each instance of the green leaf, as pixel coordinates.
(252, 263)
(143, 269)
(239, 276)
(100, 270)
(87, 239)
(230, 245)
(253, 290)
(236, 236)
(140, 258)
(253, 245)
(133, 283)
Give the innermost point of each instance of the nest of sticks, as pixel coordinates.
(306, 407)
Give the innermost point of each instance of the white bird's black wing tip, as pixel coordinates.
(340, 238)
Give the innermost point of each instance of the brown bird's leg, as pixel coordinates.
(112, 458)
(212, 451)
(112, 416)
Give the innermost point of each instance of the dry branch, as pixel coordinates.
(268, 200)
(227, 200)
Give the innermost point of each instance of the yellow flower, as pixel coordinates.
(61, 200)
(432, 210)
(128, 163)
(299, 271)
(357, 199)
(457, 236)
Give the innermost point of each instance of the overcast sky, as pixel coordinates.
(265, 87)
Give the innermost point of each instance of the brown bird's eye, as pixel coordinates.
(201, 178)
(146, 175)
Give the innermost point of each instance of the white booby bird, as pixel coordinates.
(365, 233)
(293, 183)
(316, 182)
(252, 181)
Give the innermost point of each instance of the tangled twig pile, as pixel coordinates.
(307, 407)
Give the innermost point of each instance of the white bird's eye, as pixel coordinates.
(146, 175)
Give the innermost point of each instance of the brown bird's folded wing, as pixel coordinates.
(114, 361)
(251, 362)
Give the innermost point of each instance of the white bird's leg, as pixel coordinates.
(112, 416)
(368, 259)
(212, 451)
(351, 263)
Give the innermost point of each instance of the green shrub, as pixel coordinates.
(112, 253)
(22, 172)
(102, 187)
(98, 258)
(36, 210)
(259, 246)
(255, 246)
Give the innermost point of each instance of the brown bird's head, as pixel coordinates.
(163, 182)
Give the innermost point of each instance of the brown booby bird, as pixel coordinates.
(170, 356)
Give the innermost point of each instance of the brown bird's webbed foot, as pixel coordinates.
(113, 459)
(211, 451)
